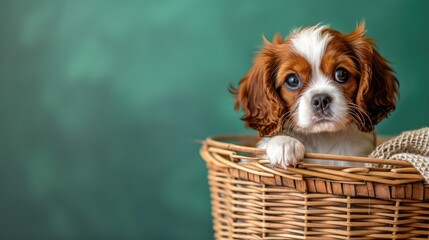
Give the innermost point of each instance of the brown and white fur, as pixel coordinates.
(319, 91)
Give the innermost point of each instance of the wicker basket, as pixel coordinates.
(253, 200)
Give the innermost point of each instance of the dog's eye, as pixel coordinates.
(293, 82)
(341, 75)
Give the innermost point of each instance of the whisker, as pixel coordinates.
(363, 113)
(358, 110)
(357, 119)
(357, 114)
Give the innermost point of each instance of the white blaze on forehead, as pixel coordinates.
(311, 44)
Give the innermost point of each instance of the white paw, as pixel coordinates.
(284, 151)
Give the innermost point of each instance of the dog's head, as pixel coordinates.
(317, 80)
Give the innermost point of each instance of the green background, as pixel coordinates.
(101, 103)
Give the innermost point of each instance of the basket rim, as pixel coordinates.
(218, 141)
(402, 182)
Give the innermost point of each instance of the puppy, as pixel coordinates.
(319, 91)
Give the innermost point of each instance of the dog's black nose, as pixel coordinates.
(321, 102)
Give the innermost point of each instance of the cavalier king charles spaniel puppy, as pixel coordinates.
(318, 91)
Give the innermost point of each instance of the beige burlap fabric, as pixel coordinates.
(411, 146)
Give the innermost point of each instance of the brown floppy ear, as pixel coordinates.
(378, 87)
(256, 95)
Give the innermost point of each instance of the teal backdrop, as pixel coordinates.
(102, 103)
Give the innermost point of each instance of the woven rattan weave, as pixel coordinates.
(253, 200)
